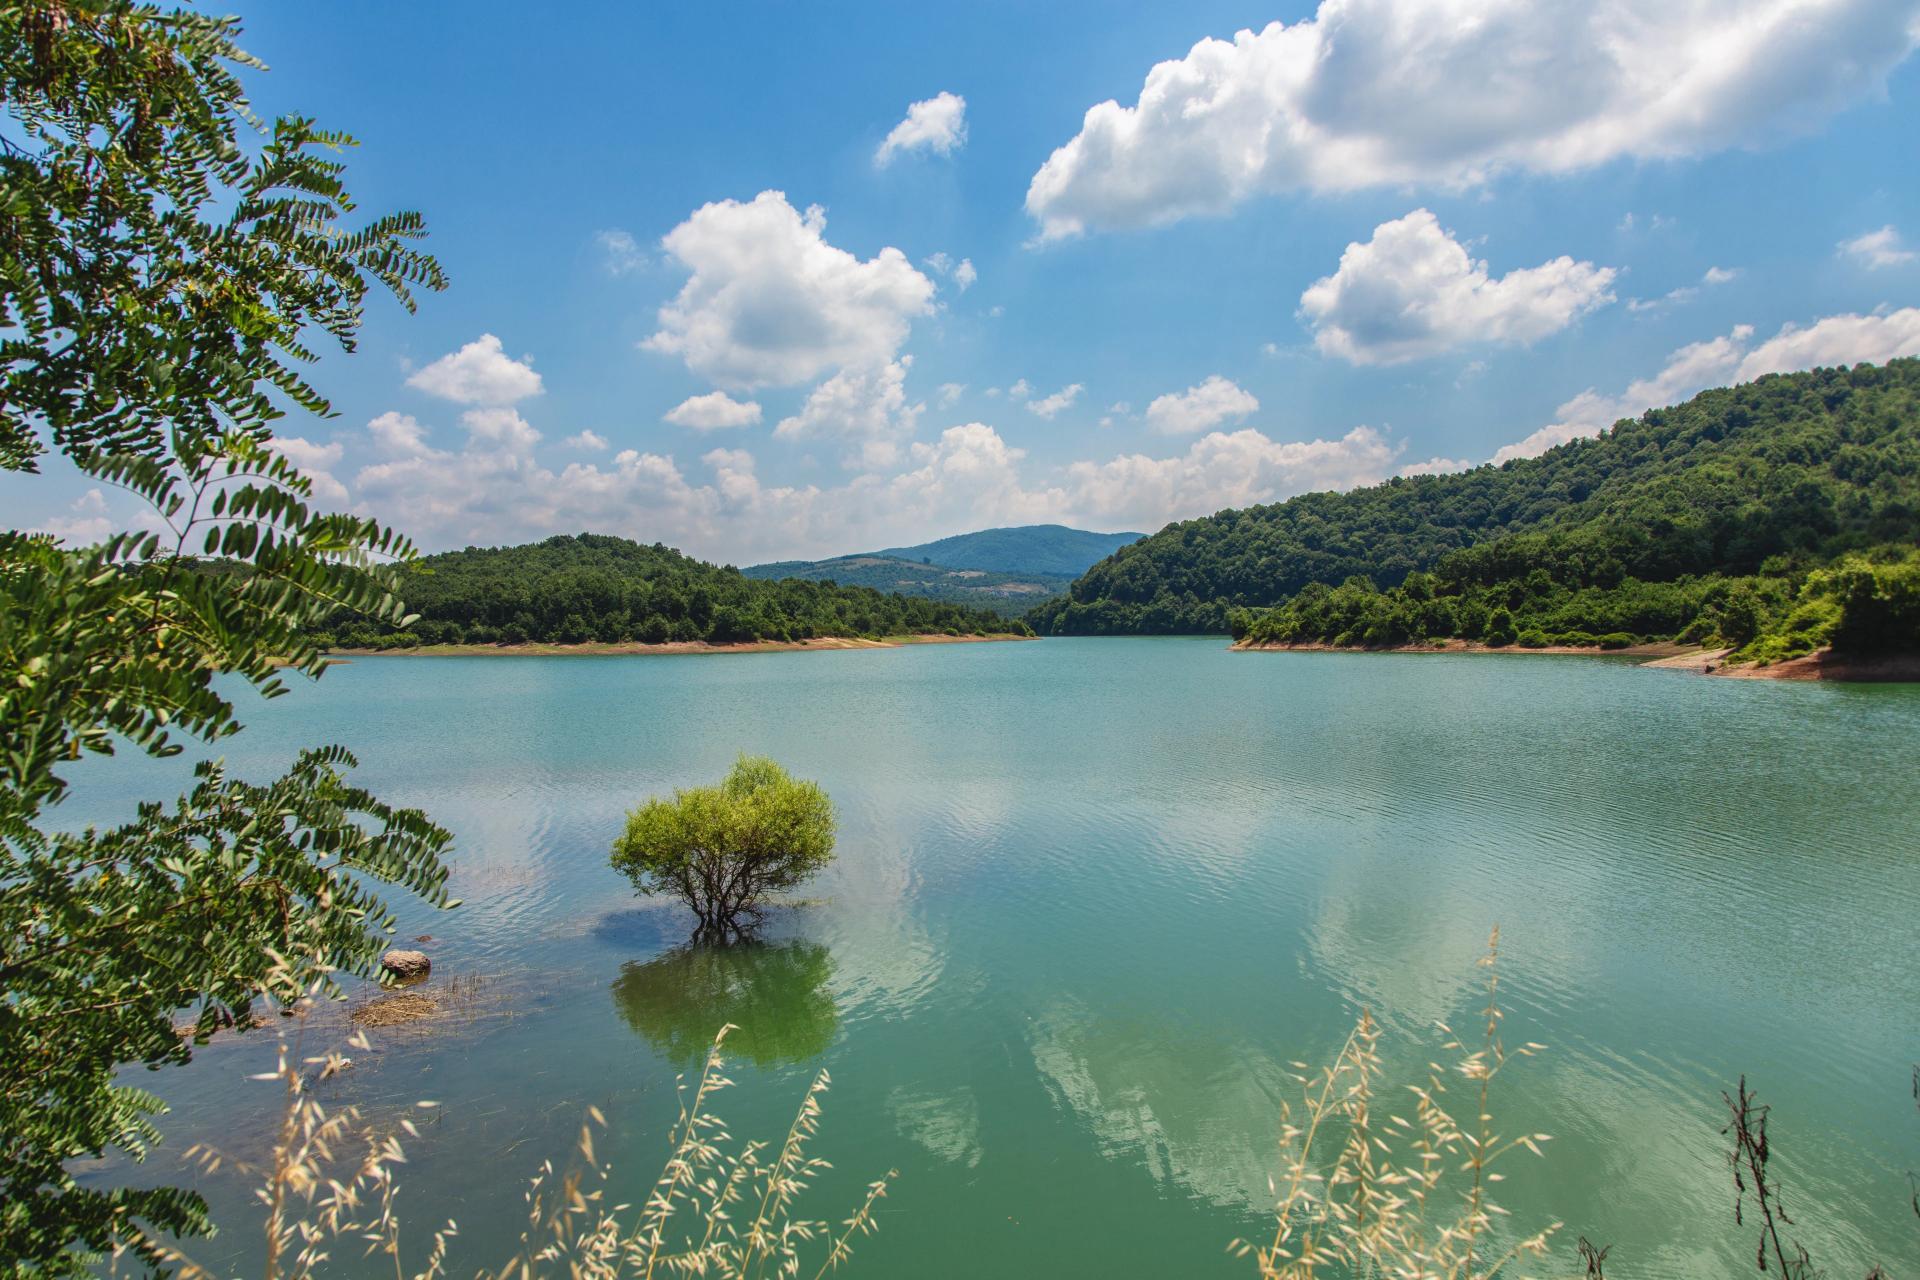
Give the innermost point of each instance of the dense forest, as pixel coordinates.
(1707, 520)
(567, 590)
(1008, 594)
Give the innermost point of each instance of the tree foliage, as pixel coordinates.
(1761, 480)
(1007, 594)
(567, 590)
(165, 264)
(724, 849)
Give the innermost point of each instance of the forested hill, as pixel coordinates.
(1775, 476)
(591, 587)
(1010, 594)
(1023, 549)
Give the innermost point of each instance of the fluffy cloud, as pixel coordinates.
(1220, 470)
(1878, 249)
(315, 462)
(950, 393)
(938, 124)
(866, 407)
(712, 412)
(962, 272)
(1435, 466)
(1213, 402)
(397, 435)
(478, 373)
(1413, 291)
(1051, 407)
(1835, 340)
(1447, 93)
(85, 522)
(492, 488)
(771, 303)
(587, 442)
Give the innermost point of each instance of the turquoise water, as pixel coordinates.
(1092, 896)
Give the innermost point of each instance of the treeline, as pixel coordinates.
(1862, 604)
(1007, 594)
(591, 587)
(1640, 526)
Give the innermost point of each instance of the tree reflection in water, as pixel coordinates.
(775, 993)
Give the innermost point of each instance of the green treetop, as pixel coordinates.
(724, 849)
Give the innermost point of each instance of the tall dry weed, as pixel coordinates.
(1396, 1196)
(731, 1212)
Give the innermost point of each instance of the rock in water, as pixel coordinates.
(407, 966)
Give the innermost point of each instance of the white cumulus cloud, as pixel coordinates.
(1733, 358)
(713, 411)
(1221, 470)
(938, 124)
(771, 303)
(316, 462)
(587, 442)
(1449, 93)
(1198, 408)
(1051, 407)
(1878, 249)
(86, 521)
(865, 407)
(479, 373)
(1412, 290)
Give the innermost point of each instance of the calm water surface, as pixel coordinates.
(1093, 896)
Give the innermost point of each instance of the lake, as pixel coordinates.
(1093, 896)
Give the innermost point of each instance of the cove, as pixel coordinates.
(1093, 896)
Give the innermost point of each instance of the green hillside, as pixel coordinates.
(1671, 523)
(1024, 549)
(1010, 594)
(567, 590)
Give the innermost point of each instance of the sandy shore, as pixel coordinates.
(596, 650)
(1822, 665)
(1471, 646)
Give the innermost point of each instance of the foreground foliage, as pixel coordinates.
(567, 590)
(1639, 531)
(162, 271)
(330, 1183)
(725, 850)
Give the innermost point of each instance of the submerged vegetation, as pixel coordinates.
(593, 587)
(1711, 520)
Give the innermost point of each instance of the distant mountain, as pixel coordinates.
(1009, 594)
(1026, 549)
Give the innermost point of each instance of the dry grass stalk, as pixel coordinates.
(329, 1186)
(1389, 1202)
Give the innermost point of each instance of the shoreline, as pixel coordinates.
(1822, 664)
(636, 648)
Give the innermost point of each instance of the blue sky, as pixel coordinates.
(1388, 234)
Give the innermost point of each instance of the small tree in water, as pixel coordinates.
(724, 849)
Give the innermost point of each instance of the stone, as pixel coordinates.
(407, 966)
